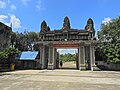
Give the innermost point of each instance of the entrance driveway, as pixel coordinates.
(60, 79)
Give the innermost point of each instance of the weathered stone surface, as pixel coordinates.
(67, 37)
(5, 36)
(66, 24)
(67, 33)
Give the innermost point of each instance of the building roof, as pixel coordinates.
(28, 55)
(3, 26)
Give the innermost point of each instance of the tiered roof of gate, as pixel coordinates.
(66, 33)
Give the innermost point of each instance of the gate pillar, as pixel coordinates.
(82, 56)
(55, 57)
(42, 56)
(92, 56)
(51, 56)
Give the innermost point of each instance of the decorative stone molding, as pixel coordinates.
(50, 44)
(93, 43)
(82, 43)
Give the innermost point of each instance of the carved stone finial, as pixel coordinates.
(90, 21)
(90, 25)
(66, 24)
(43, 26)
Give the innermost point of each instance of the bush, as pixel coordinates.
(8, 55)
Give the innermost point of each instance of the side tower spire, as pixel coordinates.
(90, 27)
(43, 26)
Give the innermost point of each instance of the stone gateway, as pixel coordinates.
(67, 37)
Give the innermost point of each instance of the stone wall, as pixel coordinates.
(108, 66)
(5, 36)
(112, 66)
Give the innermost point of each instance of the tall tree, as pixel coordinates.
(24, 41)
(68, 57)
(109, 36)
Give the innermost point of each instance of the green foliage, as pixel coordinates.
(33, 36)
(3, 55)
(24, 40)
(68, 57)
(111, 31)
(8, 55)
(112, 51)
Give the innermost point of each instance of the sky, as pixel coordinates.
(66, 50)
(28, 14)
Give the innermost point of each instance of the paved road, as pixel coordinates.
(68, 65)
(60, 80)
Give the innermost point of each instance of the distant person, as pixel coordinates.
(61, 63)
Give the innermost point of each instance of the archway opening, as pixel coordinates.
(68, 57)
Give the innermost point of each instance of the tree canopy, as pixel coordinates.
(68, 57)
(109, 37)
(8, 55)
(23, 41)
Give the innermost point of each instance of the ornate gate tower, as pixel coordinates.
(67, 37)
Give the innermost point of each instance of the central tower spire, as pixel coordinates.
(66, 24)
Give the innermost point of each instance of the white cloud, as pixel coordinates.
(7, 4)
(13, 7)
(8, 19)
(2, 4)
(8, 24)
(3, 18)
(38, 4)
(38, 7)
(107, 20)
(25, 2)
(15, 21)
